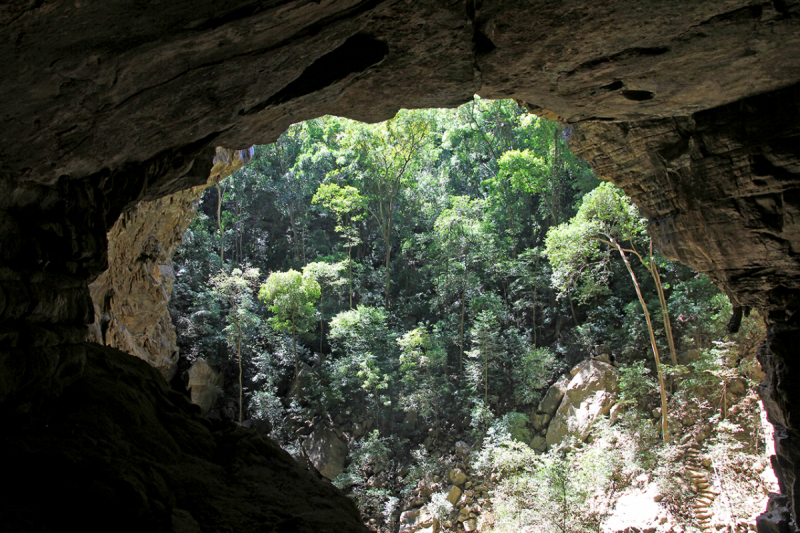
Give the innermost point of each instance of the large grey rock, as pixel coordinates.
(589, 395)
(130, 297)
(142, 458)
(326, 451)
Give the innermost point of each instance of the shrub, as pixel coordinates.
(439, 507)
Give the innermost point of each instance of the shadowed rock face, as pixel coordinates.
(119, 450)
(691, 106)
(721, 189)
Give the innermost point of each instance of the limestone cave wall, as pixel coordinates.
(130, 297)
(690, 106)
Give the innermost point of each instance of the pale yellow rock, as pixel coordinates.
(205, 385)
(130, 297)
(454, 494)
(456, 476)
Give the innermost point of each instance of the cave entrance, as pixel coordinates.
(477, 189)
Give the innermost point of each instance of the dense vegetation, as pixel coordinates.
(427, 279)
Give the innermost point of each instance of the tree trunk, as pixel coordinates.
(303, 238)
(294, 345)
(386, 238)
(534, 316)
(461, 345)
(350, 265)
(219, 226)
(664, 427)
(321, 330)
(664, 309)
(294, 234)
(572, 308)
(239, 353)
(486, 379)
(653, 268)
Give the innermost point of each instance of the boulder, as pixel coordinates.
(553, 396)
(414, 519)
(130, 297)
(205, 385)
(454, 495)
(589, 395)
(539, 421)
(462, 448)
(539, 444)
(326, 451)
(456, 476)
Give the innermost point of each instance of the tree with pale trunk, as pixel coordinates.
(236, 289)
(347, 205)
(607, 222)
(387, 159)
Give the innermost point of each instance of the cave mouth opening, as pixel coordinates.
(692, 108)
(278, 183)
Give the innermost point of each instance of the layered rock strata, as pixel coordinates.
(130, 297)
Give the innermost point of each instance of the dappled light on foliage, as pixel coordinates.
(452, 314)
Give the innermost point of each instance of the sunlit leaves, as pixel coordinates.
(290, 297)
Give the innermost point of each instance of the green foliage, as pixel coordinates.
(453, 207)
(580, 250)
(486, 350)
(235, 289)
(372, 453)
(344, 201)
(636, 386)
(549, 492)
(290, 297)
(361, 330)
(423, 364)
(532, 373)
(325, 274)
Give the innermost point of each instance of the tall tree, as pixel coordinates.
(389, 156)
(462, 243)
(236, 289)
(606, 222)
(346, 204)
(327, 275)
(423, 363)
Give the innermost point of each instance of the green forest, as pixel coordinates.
(396, 303)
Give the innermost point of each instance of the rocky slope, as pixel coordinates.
(108, 104)
(698, 486)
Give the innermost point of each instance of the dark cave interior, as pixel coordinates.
(692, 108)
